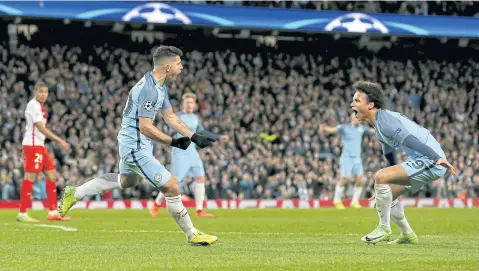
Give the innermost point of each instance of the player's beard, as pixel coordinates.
(171, 77)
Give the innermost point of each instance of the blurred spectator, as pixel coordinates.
(6, 185)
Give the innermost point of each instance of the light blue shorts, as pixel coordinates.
(421, 170)
(183, 166)
(142, 162)
(351, 167)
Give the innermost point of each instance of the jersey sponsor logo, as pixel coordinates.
(158, 177)
(148, 105)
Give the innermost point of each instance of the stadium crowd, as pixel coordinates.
(455, 8)
(270, 102)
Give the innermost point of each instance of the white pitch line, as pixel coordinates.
(178, 232)
(63, 228)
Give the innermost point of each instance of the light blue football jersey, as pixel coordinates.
(352, 139)
(392, 128)
(144, 100)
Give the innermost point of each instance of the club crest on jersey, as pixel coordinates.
(158, 177)
(396, 134)
(148, 105)
(396, 137)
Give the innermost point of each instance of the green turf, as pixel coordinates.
(325, 239)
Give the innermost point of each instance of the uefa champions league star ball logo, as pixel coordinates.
(156, 13)
(357, 22)
(148, 106)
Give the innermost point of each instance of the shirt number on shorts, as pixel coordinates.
(418, 164)
(38, 158)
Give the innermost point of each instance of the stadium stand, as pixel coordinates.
(270, 101)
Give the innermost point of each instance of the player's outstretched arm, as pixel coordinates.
(328, 129)
(48, 133)
(179, 126)
(149, 130)
(175, 122)
(210, 135)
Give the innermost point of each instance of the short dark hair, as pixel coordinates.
(373, 91)
(165, 51)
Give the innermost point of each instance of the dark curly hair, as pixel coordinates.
(373, 91)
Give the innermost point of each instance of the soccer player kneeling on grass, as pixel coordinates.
(426, 161)
(146, 98)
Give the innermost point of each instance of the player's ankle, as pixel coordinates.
(385, 226)
(191, 233)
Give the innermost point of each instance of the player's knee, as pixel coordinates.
(51, 175)
(171, 188)
(359, 180)
(30, 177)
(129, 180)
(344, 180)
(201, 179)
(380, 177)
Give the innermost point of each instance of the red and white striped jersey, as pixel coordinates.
(34, 113)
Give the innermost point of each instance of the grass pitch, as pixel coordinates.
(269, 239)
